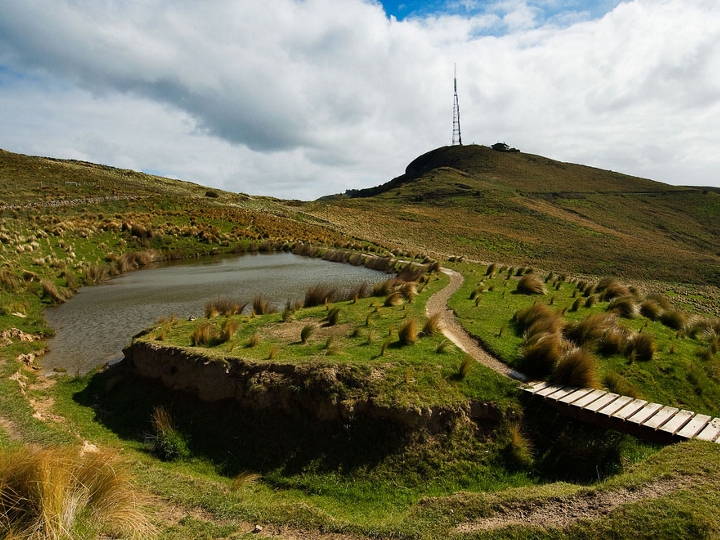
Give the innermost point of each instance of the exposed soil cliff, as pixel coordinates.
(332, 393)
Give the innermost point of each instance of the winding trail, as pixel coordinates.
(453, 330)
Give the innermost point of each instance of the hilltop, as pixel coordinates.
(529, 210)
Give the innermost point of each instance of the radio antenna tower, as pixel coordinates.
(456, 136)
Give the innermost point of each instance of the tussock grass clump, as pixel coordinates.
(590, 301)
(10, 281)
(539, 358)
(577, 368)
(320, 294)
(228, 330)
(675, 319)
(50, 291)
(614, 341)
(223, 306)
(590, 329)
(609, 288)
(531, 284)
(393, 299)
(262, 306)
(253, 341)
(432, 325)
(203, 335)
(245, 478)
(385, 288)
(466, 365)
(333, 316)
(307, 331)
(443, 346)
(524, 317)
(642, 347)
(520, 446)
(407, 334)
(53, 493)
(625, 306)
(651, 309)
(167, 442)
(412, 272)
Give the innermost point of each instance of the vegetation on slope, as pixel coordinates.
(529, 210)
(69, 224)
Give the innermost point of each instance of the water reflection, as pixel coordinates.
(99, 321)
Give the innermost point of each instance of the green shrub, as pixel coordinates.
(577, 368)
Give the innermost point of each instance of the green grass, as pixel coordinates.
(372, 476)
(677, 374)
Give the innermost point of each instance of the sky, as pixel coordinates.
(298, 99)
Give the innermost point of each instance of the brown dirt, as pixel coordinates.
(453, 330)
(561, 512)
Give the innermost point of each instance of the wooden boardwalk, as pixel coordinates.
(637, 417)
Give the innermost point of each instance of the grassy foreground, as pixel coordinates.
(182, 468)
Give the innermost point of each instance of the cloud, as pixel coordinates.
(304, 98)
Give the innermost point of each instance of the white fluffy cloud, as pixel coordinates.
(299, 99)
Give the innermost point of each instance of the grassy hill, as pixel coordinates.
(526, 209)
(496, 466)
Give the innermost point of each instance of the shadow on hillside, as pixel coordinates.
(235, 439)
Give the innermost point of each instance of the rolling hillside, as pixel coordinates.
(529, 210)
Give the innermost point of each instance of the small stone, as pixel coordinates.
(257, 529)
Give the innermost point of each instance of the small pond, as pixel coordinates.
(94, 326)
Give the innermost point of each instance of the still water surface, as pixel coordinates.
(94, 326)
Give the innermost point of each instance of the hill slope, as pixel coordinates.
(529, 210)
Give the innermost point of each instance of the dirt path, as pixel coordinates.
(453, 330)
(560, 513)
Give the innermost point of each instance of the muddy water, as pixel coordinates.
(94, 326)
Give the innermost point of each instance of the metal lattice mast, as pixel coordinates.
(456, 135)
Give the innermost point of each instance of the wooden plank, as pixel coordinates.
(548, 390)
(711, 431)
(577, 394)
(563, 392)
(602, 402)
(694, 426)
(660, 417)
(591, 397)
(645, 413)
(611, 408)
(535, 387)
(631, 408)
(678, 420)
